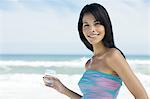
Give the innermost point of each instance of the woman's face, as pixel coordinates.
(92, 29)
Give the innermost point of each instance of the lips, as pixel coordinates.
(93, 35)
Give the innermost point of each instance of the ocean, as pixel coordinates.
(21, 75)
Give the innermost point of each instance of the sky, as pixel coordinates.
(50, 26)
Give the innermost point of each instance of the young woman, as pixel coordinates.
(107, 68)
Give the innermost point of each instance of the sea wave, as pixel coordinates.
(72, 63)
(143, 62)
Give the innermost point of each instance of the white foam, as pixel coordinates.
(31, 86)
(73, 63)
(142, 62)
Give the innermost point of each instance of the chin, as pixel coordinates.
(93, 43)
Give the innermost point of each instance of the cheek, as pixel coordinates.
(84, 33)
(101, 30)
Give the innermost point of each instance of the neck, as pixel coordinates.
(99, 49)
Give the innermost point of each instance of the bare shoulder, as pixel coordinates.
(114, 57)
(113, 53)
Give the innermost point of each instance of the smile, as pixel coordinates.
(93, 35)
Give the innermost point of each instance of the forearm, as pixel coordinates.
(71, 94)
(142, 97)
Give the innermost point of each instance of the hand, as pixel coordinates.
(55, 83)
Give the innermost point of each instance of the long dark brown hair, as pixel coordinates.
(100, 14)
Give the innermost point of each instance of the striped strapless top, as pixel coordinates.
(99, 85)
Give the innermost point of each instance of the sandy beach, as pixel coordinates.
(21, 86)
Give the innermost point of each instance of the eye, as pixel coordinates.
(86, 25)
(97, 23)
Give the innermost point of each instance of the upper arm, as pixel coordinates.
(87, 64)
(118, 63)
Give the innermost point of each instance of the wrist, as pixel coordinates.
(65, 91)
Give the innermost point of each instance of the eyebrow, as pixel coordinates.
(85, 22)
(94, 21)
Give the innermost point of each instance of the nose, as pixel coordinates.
(92, 29)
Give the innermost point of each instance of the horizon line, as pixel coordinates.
(65, 54)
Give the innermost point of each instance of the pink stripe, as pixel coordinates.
(107, 83)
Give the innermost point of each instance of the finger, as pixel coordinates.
(49, 85)
(49, 77)
(46, 80)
